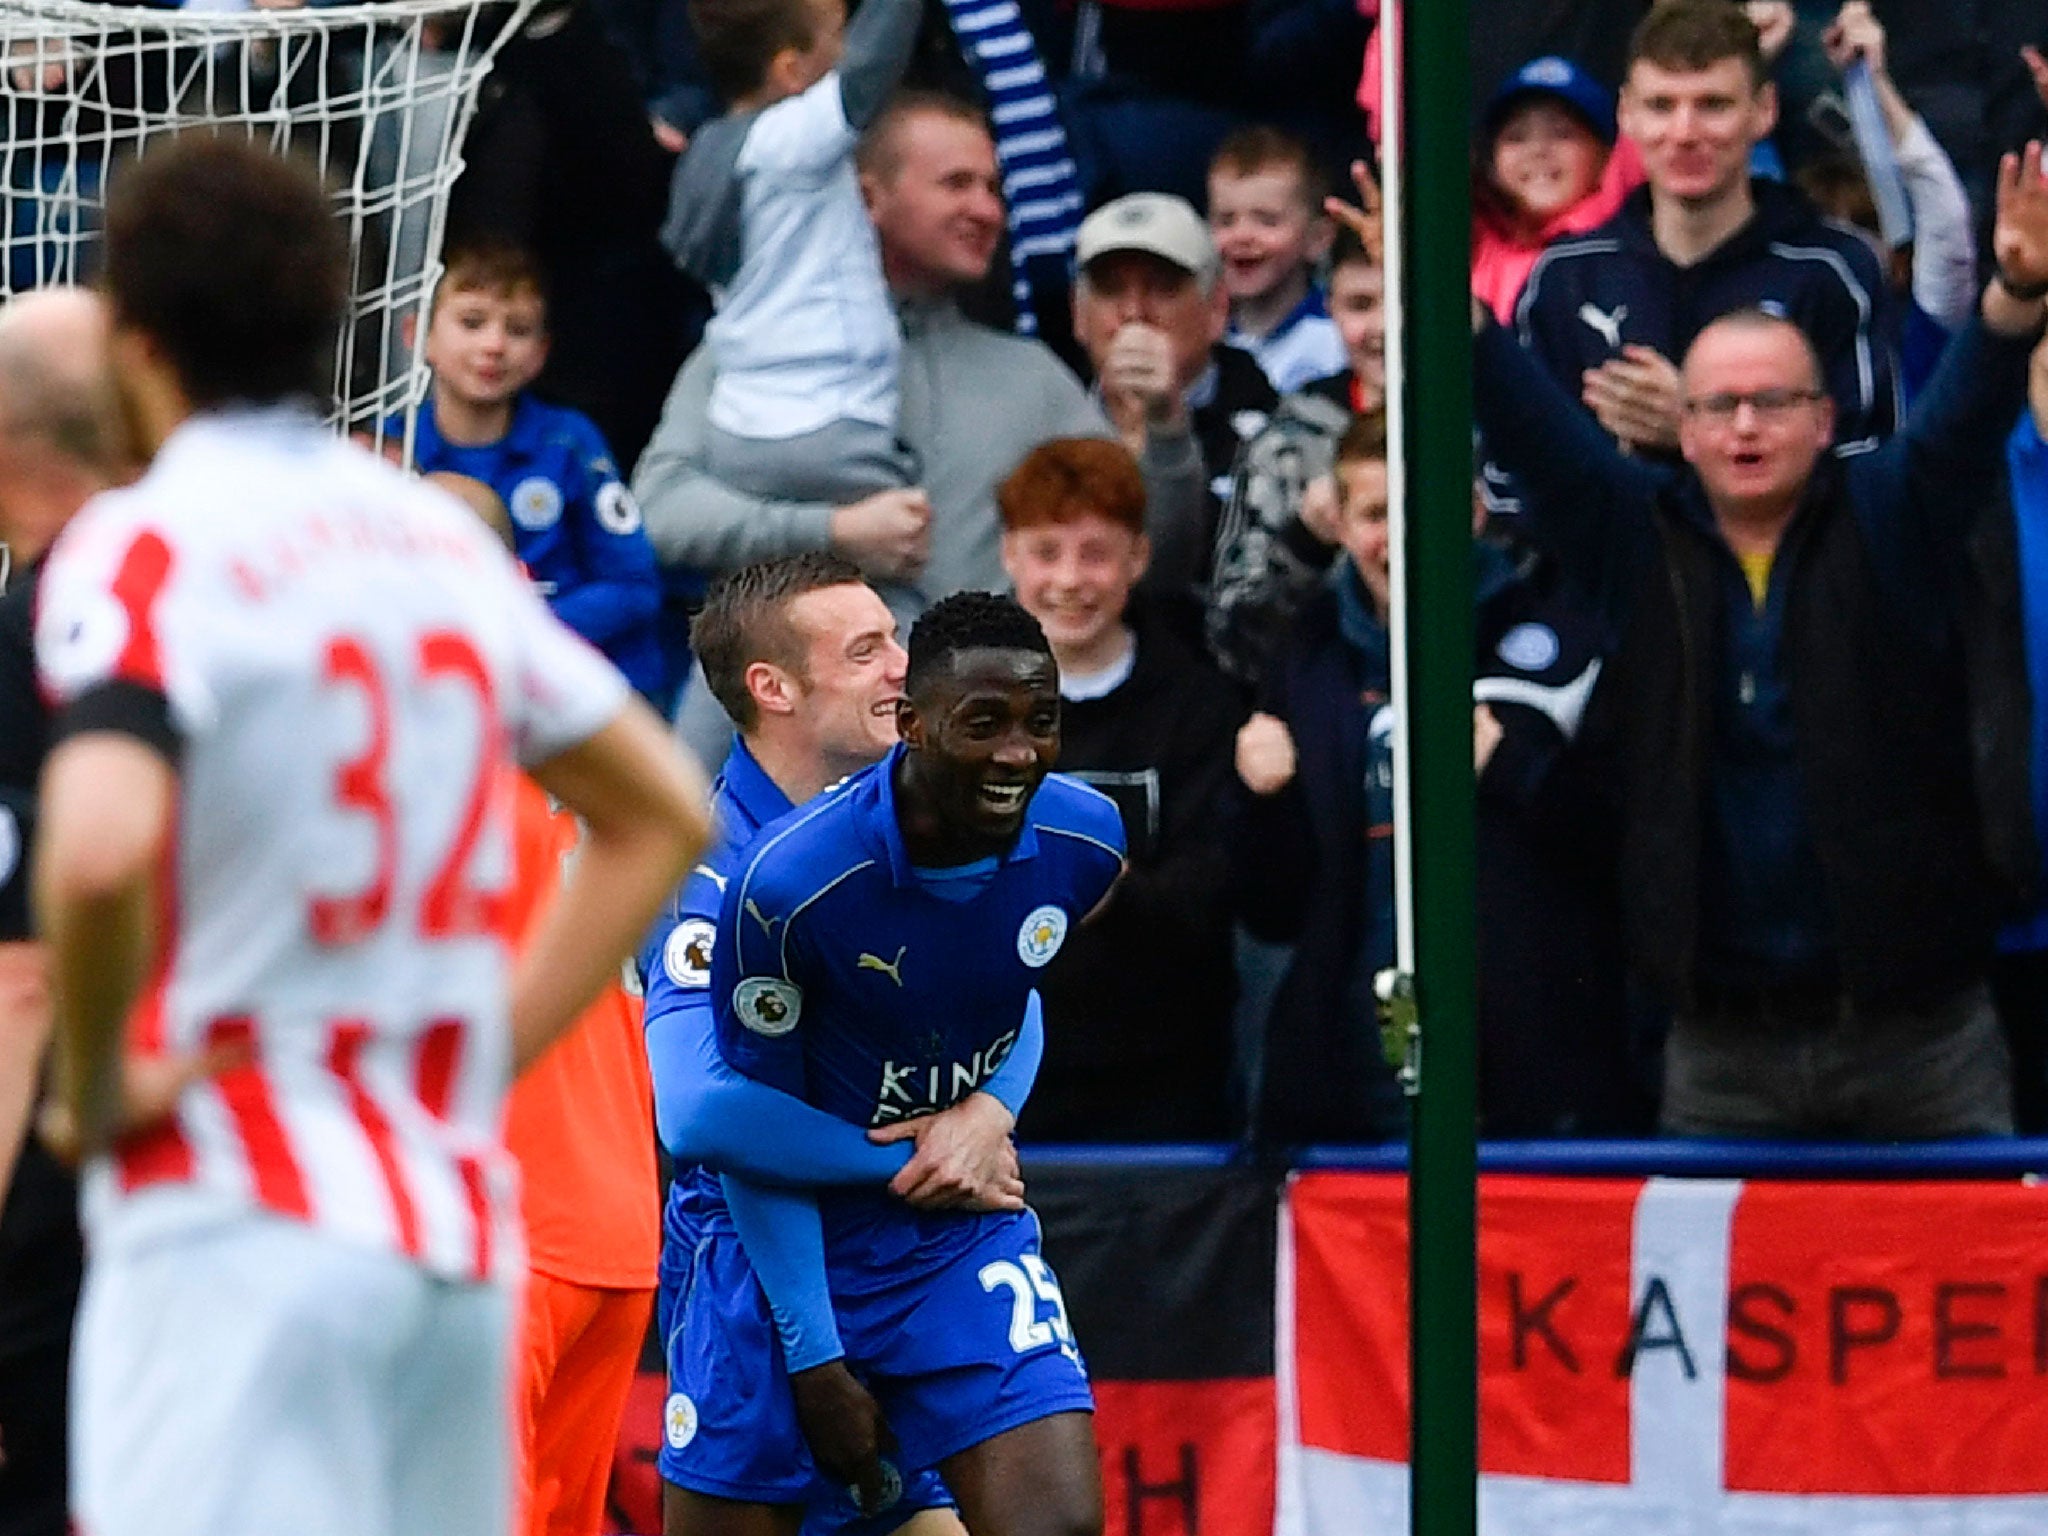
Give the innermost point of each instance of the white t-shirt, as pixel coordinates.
(1303, 347)
(349, 657)
(806, 333)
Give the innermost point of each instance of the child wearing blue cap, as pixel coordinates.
(1549, 164)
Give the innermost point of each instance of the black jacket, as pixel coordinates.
(41, 1257)
(1553, 1039)
(1591, 294)
(1232, 408)
(1889, 732)
(1138, 1002)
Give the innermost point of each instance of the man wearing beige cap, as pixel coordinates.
(1150, 310)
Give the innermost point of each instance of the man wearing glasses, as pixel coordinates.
(1807, 869)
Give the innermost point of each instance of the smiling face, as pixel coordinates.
(1358, 306)
(1755, 419)
(486, 344)
(1545, 158)
(852, 675)
(1362, 526)
(1696, 127)
(1265, 230)
(936, 201)
(983, 733)
(1075, 577)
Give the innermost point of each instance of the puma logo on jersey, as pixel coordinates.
(712, 875)
(767, 923)
(1608, 325)
(893, 969)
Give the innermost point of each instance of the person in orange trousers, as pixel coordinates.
(581, 1124)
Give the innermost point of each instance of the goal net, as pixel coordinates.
(378, 95)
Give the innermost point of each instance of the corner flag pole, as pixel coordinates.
(1432, 223)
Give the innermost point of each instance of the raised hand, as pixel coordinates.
(2019, 239)
(2037, 66)
(1265, 754)
(1774, 21)
(1855, 34)
(887, 534)
(1139, 367)
(1364, 220)
(1321, 507)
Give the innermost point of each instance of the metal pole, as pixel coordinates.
(1437, 433)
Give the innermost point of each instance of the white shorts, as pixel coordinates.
(259, 1378)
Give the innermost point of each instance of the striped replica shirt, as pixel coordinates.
(1041, 188)
(346, 660)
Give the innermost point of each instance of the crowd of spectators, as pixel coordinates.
(1754, 794)
(1053, 296)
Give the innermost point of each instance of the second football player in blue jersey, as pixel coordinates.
(802, 653)
(875, 958)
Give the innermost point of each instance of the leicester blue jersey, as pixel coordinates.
(575, 526)
(842, 977)
(675, 965)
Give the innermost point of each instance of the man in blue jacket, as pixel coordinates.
(1804, 855)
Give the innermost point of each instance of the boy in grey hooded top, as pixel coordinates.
(766, 211)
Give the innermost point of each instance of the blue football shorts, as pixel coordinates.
(956, 1351)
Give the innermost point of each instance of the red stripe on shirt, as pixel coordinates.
(145, 569)
(479, 1213)
(161, 1154)
(440, 1058)
(344, 1060)
(440, 1053)
(253, 1109)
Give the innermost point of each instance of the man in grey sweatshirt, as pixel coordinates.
(974, 401)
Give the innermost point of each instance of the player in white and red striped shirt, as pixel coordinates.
(274, 826)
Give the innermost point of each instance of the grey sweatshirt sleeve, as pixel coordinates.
(1944, 246)
(695, 520)
(1176, 481)
(1176, 509)
(702, 230)
(878, 44)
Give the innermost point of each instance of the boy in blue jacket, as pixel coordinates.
(575, 525)
(1314, 865)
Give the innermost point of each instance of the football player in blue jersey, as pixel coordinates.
(875, 958)
(803, 655)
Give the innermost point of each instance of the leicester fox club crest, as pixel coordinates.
(767, 1005)
(535, 503)
(679, 1421)
(1041, 936)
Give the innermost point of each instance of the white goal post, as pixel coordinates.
(379, 96)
